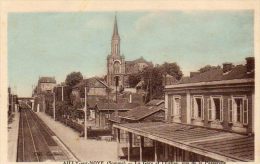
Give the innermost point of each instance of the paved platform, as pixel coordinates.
(13, 128)
(84, 150)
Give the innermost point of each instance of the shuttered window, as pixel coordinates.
(172, 105)
(238, 110)
(230, 111)
(192, 108)
(202, 109)
(221, 109)
(210, 118)
(197, 107)
(215, 108)
(245, 111)
(175, 105)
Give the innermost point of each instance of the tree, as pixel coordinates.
(207, 68)
(153, 79)
(172, 69)
(152, 82)
(73, 78)
(134, 79)
(61, 108)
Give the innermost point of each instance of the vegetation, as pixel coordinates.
(153, 79)
(73, 78)
(207, 68)
(134, 79)
(172, 69)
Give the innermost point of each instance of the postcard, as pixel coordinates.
(111, 82)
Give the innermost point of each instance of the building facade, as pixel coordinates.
(209, 116)
(45, 84)
(219, 98)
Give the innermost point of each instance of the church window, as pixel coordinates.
(116, 67)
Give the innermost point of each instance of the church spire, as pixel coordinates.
(115, 43)
(115, 32)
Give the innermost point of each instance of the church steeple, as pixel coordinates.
(115, 43)
(115, 32)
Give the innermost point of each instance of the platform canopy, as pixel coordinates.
(217, 144)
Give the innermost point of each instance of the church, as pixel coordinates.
(116, 64)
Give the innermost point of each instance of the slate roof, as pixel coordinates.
(226, 144)
(141, 112)
(155, 102)
(139, 60)
(101, 103)
(117, 119)
(216, 74)
(114, 106)
(92, 83)
(47, 80)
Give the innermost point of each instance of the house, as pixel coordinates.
(153, 111)
(45, 84)
(102, 102)
(102, 110)
(209, 116)
(95, 87)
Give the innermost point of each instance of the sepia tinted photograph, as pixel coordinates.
(121, 85)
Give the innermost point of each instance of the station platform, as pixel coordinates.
(84, 150)
(13, 128)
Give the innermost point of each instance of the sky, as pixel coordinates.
(55, 44)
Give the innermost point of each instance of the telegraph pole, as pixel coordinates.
(62, 93)
(54, 113)
(116, 112)
(85, 110)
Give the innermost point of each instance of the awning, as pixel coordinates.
(216, 144)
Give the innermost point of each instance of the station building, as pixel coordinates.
(209, 116)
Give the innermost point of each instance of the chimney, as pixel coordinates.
(227, 67)
(193, 73)
(250, 64)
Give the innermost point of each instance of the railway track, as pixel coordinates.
(35, 140)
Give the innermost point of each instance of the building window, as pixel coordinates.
(238, 110)
(176, 106)
(116, 67)
(215, 108)
(197, 109)
(107, 116)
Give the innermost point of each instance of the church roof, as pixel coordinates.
(139, 60)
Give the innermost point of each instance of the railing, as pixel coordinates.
(92, 133)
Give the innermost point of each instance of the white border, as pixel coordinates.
(115, 5)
